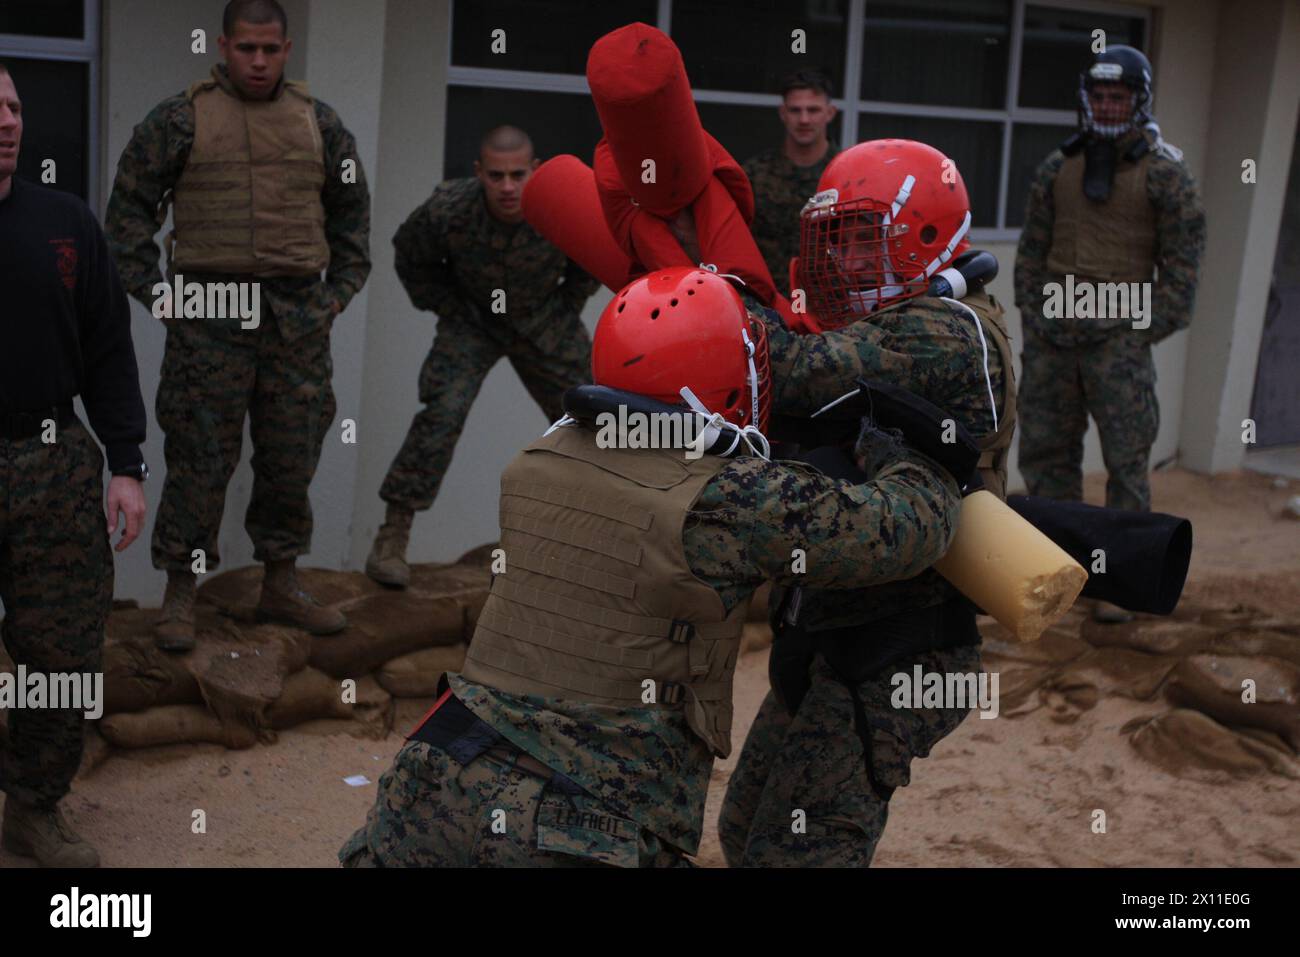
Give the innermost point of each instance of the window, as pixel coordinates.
(52, 50)
(992, 83)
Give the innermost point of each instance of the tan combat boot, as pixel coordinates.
(387, 561)
(45, 835)
(174, 631)
(285, 602)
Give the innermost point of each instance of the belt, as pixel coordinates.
(451, 727)
(24, 425)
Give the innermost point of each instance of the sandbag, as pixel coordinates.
(1213, 684)
(174, 724)
(137, 675)
(416, 675)
(383, 627)
(311, 695)
(1188, 744)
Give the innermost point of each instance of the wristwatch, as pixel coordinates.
(138, 472)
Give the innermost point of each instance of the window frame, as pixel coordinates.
(15, 46)
(852, 105)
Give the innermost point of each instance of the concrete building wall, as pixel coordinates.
(1253, 108)
(1227, 76)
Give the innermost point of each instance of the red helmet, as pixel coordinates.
(685, 326)
(887, 216)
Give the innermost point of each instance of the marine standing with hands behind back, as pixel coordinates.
(203, 150)
(499, 289)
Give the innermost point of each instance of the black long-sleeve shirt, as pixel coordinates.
(65, 322)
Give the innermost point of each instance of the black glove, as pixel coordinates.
(922, 425)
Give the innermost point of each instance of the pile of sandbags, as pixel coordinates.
(1225, 683)
(245, 681)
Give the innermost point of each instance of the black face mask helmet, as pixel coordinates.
(1118, 64)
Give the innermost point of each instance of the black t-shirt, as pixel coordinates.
(65, 322)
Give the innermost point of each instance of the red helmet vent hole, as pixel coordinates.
(733, 397)
(673, 303)
(690, 292)
(928, 234)
(622, 306)
(654, 314)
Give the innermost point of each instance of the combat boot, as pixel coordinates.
(284, 602)
(387, 562)
(45, 835)
(174, 631)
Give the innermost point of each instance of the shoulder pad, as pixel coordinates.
(1073, 144)
(298, 88)
(197, 88)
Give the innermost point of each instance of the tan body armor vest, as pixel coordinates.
(597, 602)
(248, 201)
(1112, 241)
(995, 448)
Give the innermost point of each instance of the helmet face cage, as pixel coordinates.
(848, 261)
(1111, 72)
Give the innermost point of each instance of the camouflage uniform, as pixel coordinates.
(840, 756)
(214, 372)
(741, 530)
(56, 582)
(780, 190)
(453, 257)
(1074, 367)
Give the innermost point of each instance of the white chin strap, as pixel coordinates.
(715, 425)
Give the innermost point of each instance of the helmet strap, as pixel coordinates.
(716, 425)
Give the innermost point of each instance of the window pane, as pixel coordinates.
(1030, 144)
(55, 96)
(550, 36)
(556, 122)
(744, 45)
(746, 130)
(1058, 47)
(974, 145)
(940, 52)
(64, 19)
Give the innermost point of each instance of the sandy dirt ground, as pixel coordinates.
(1018, 790)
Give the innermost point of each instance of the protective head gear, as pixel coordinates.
(887, 216)
(685, 330)
(1117, 64)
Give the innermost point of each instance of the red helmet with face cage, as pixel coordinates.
(887, 216)
(685, 326)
